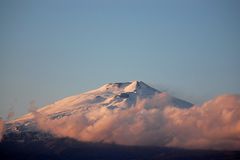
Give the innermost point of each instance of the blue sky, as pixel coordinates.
(53, 49)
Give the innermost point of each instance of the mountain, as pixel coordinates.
(113, 96)
(129, 120)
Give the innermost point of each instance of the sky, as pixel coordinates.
(53, 49)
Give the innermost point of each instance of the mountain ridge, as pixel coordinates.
(133, 113)
(118, 95)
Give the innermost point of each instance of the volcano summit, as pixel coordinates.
(113, 96)
(133, 113)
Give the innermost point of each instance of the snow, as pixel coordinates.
(111, 95)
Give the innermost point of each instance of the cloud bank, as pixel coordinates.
(1, 128)
(213, 125)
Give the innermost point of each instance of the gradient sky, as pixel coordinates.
(53, 49)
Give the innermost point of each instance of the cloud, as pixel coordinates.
(10, 115)
(213, 125)
(1, 128)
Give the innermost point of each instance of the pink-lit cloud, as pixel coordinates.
(1, 128)
(213, 125)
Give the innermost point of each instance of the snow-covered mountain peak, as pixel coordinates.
(111, 96)
(134, 86)
(138, 87)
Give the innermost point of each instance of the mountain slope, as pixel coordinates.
(113, 96)
(134, 113)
